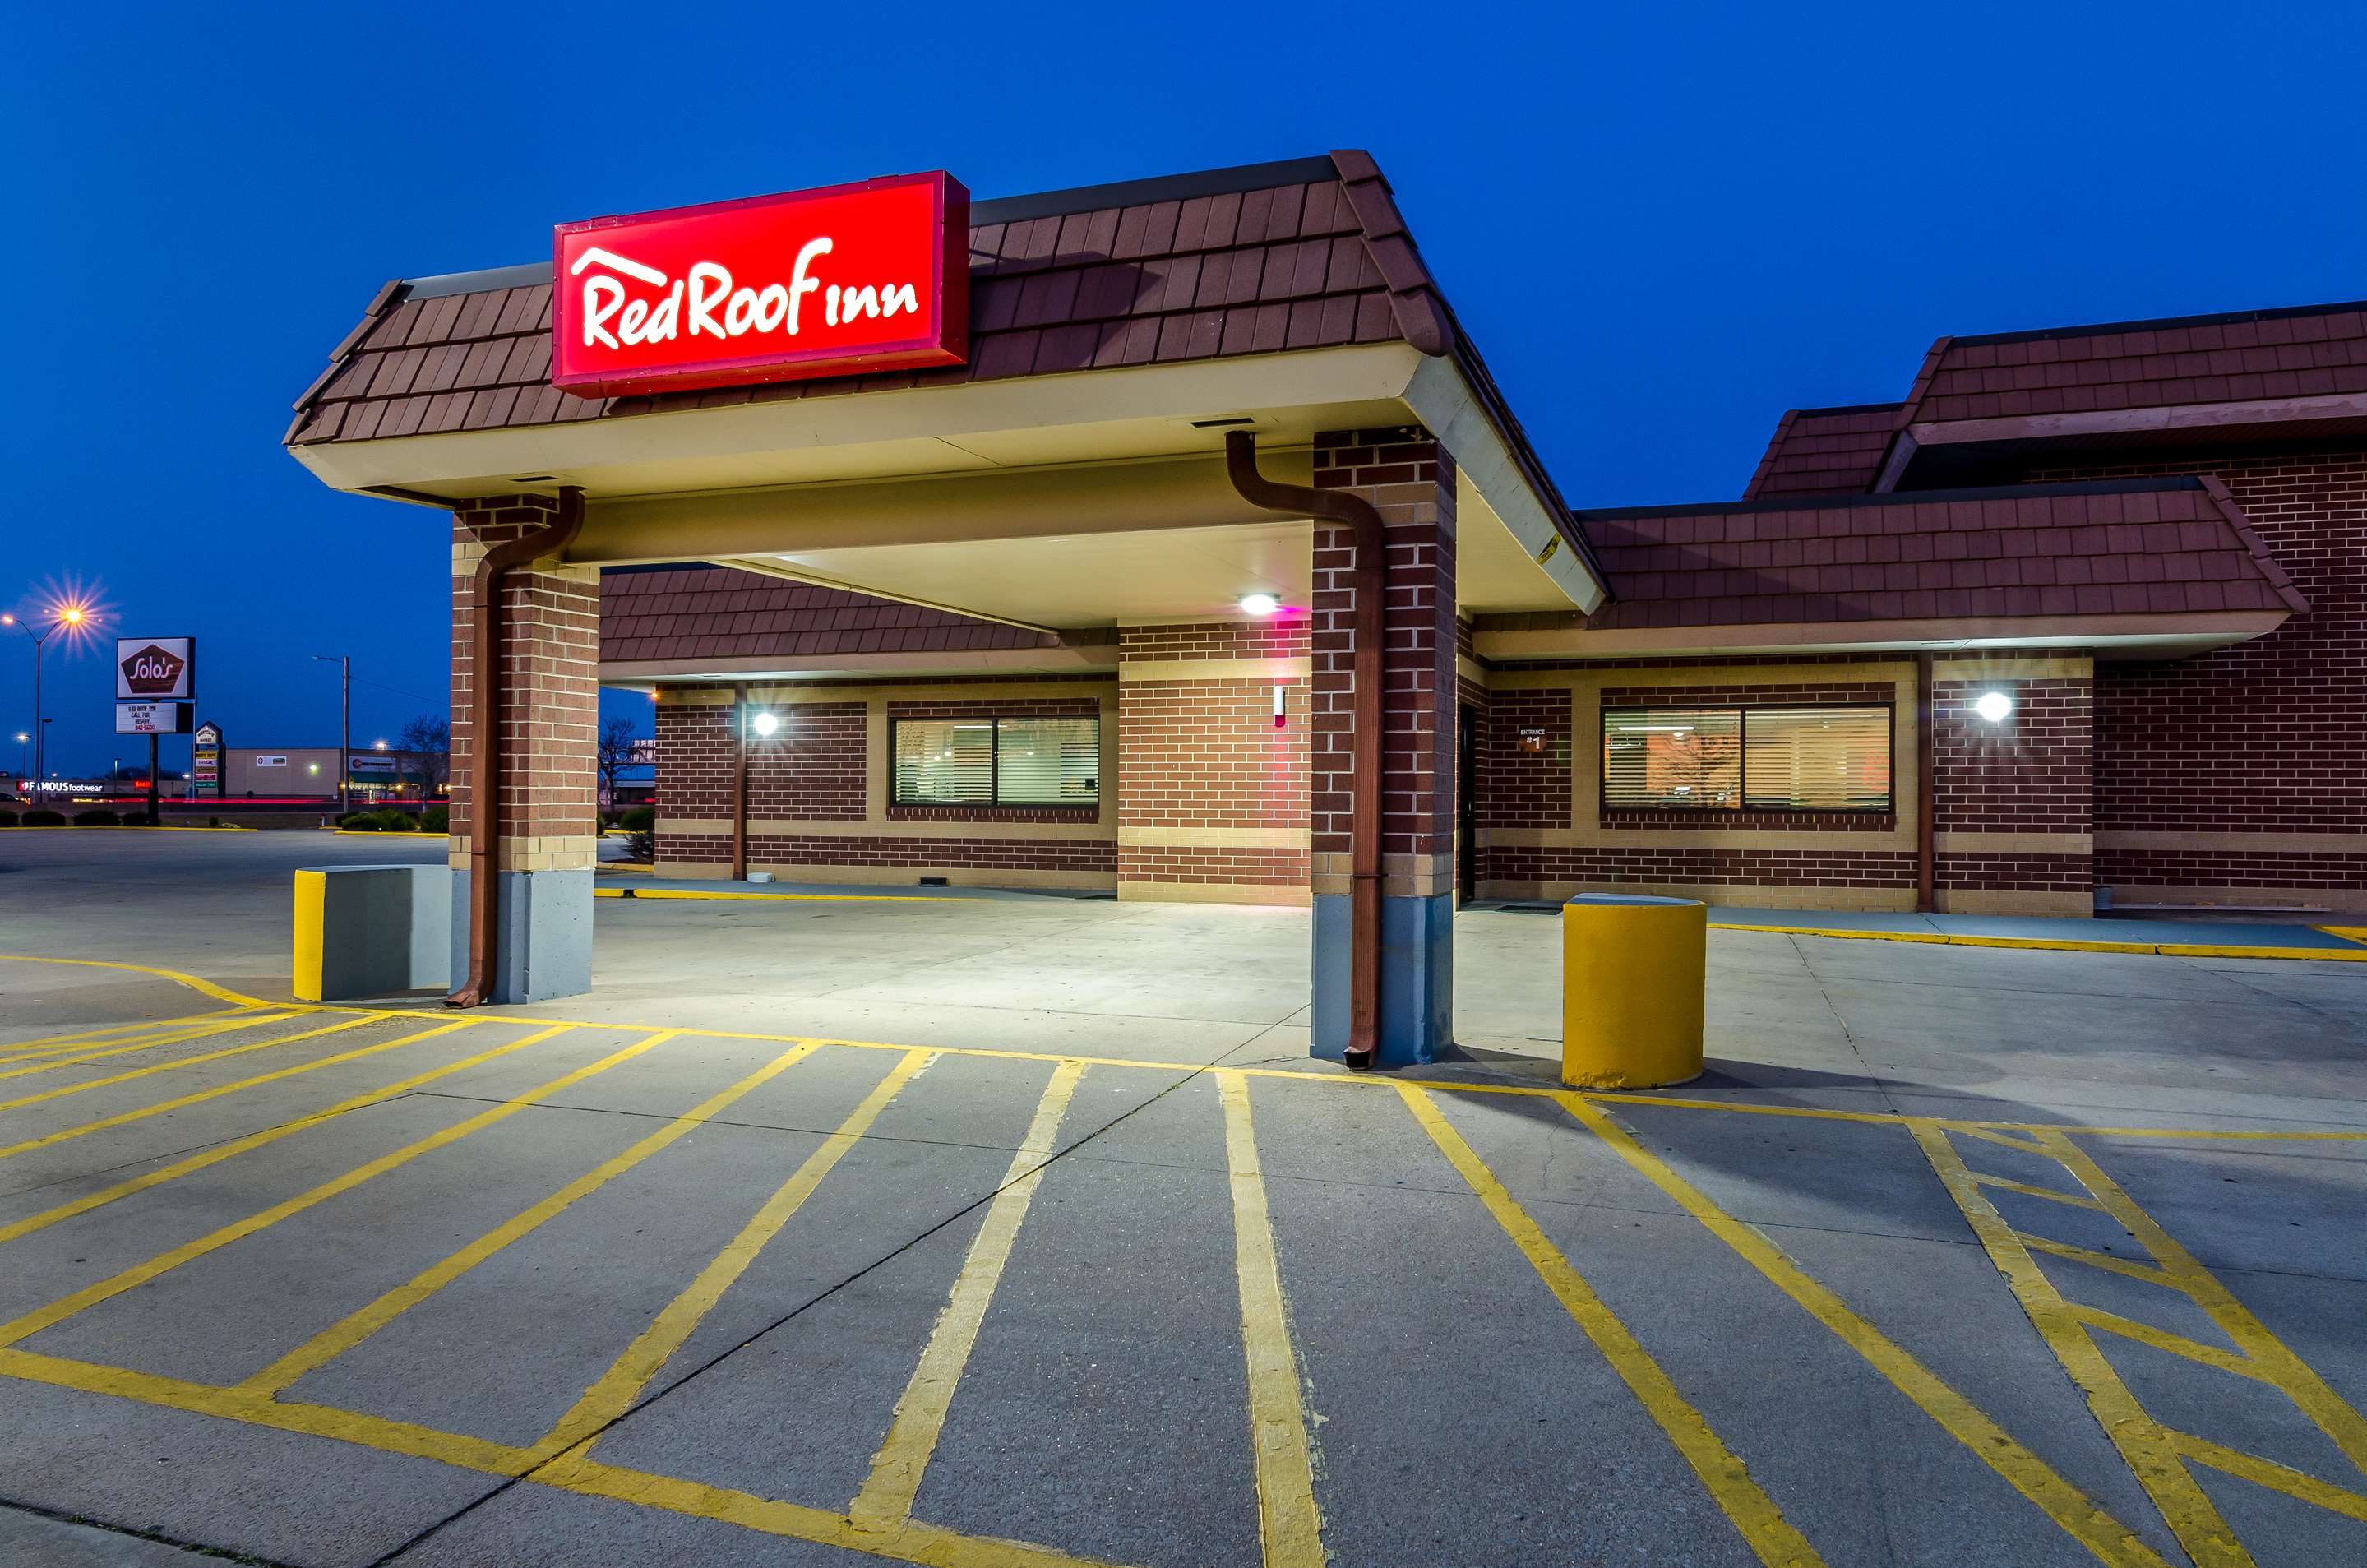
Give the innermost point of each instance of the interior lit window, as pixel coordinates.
(997, 761)
(1765, 759)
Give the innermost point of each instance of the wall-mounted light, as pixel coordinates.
(1278, 709)
(1993, 706)
(1260, 604)
(764, 724)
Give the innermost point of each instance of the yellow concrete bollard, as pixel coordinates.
(1632, 980)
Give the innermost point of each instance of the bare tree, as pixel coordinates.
(619, 749)
(428, 751)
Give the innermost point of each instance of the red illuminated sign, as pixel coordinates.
(853, 278)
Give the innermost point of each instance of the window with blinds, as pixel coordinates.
(996, 761)
(1761, 759)
(1688, 758)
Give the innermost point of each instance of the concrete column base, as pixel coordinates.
(543, 947)
(1417, 978)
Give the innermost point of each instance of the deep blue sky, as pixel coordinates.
(1663, 227)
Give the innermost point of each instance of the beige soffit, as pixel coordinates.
(1138, 411)
(867, 667)
(2129, 636)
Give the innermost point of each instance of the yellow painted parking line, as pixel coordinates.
(2080, 1515)
(95, 1051)
(57, 1312)
(2110, 1263)
(2145, 1333)
(221, 1152)
(896, 1469)
(616, 1388)
(112, 1034)
(124, 1118)
(204, 987)
(2276, 1477)
(2057, 944)
(1771, 1537)
(2295, 1378)
(921, 1544)
(1289, 1525)
(2348, 933)
(695, 894)
(362, 1323)
(180, 1061)
(1977, 1126)
(2142, 1443)
(2028, 1189)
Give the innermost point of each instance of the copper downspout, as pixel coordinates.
(485, 733)
(1364, 819)
(740, 784)
(1925, 866)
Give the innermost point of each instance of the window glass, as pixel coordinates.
(1047, 762)
(1818, 759)
(945, 761)
(1688, 758)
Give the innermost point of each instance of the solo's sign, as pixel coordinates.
(154, 667)
(828, 282)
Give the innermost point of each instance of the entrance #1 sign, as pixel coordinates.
(851, 278)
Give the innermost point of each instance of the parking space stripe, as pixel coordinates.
(236, 1146)
(1771, 1537)
(2270, 1473)
(2295, 1378)
(2028, 1189)
(1289, 1524)
(2080, 1515)
(2142, 1443)
(2161, 1339)
(356, 1327)
(896, 1469)
(57, 1312)
(622, 1383)
(123, 1119)
(203, 987)
(95, 1051)
(17, 1050)
(911, 1542)
(179, 1062)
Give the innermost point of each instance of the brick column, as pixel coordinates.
(549, 715)
(1410, 478)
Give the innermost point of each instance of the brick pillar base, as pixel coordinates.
(1407, 475)
(549, 715)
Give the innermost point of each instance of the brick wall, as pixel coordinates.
(2269, 736)
(1200, 751)
(550, 693)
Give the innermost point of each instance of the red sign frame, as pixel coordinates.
(749, 277)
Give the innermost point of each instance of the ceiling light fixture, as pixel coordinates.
(1260, 604)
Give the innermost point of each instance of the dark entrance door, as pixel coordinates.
(1466, 812)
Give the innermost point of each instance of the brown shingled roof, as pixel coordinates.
(2252, 356)
(1825, 451)
(704, 613)
(1251, 261)
(2126, 546)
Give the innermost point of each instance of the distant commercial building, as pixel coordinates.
(310, 773)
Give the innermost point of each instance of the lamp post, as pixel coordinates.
(68, 618)
(24, 751)
(345, 663)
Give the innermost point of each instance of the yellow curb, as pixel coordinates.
(794, 897)
(385, 832)
(2063, 944)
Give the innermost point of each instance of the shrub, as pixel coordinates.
(96, 817)
(8, 819)
(42, 816)
(398, 822)
(362, 822)
(213, 822)
(435, 819)
(641, 819)
(132, 819)
(643, 846)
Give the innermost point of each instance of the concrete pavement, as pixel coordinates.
(1071, 1255)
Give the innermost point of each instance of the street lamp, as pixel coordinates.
(69, 618)
(345, 663)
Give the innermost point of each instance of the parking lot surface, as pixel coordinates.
(1026, 1232)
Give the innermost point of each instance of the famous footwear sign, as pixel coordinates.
(154, 668)
(853, 278)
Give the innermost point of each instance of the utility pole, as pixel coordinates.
(345, 663)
